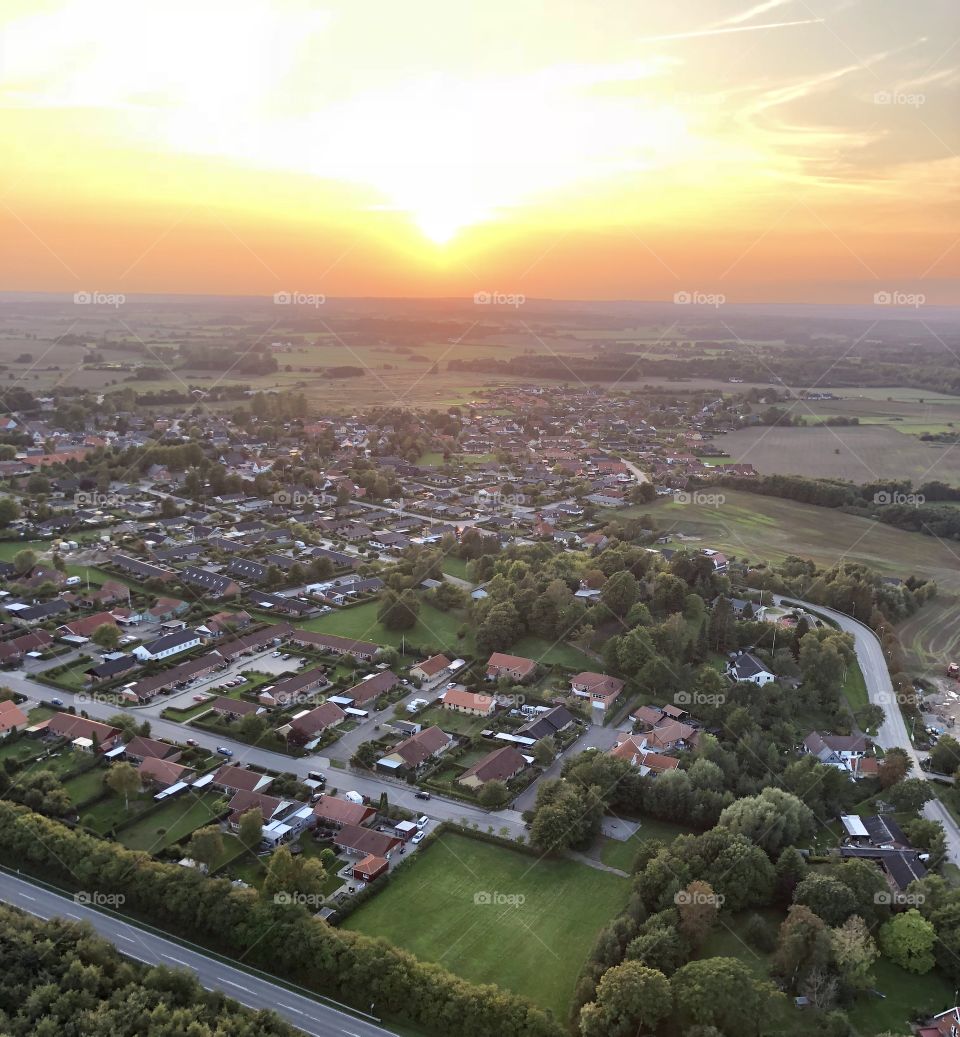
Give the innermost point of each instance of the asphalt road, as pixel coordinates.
(310, 1016)
(893, 730)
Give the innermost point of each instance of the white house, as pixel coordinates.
(747, 667)
(167, 645)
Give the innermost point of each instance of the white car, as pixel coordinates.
(418, 838)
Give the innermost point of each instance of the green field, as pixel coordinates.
(534, 948)
(753, 528)
(434, 629)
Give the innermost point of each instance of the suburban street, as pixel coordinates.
(312, 1017)
(893, 730)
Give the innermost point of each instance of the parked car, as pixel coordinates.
(57, 702)
(418, 838)
(224, 751)
(192, 741)
(421, 795)
(422, 821)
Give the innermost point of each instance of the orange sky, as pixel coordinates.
(796, 150)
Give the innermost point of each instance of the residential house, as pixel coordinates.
(513, 666)
(637, 754)
(164, 773)
(415, 752)
(747, 667)
(500, 765)
(474, 704)
(430, 670)
(363, 650)
(167, 645)
(141, 748)
(230, 778)
(844, 752)
(88, 735)
(335, 813)
(216, 585)
(308, 726)
(364, 842)
(85, 628)
(12, 718)
(297, 687)
(601, 690)
(548, 724)
(370, 688)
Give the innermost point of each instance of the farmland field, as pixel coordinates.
(534, 947)
(860, 453)
(748, 526)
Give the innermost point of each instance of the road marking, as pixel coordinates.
(289, 1008)
(129, 939)
(239, 986)
(177, 960)
(25, 897)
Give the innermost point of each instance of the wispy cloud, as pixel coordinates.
(695, 34)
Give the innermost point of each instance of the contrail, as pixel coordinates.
(697, 33)
(745, 16)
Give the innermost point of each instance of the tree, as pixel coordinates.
(630, 999)
(828, 898)
(250, 827)
(698, 907)
(399, 611)
(493, 794)
(566, 815)
(9, 511)
(620, 592)
(206, 845)
(23, 562)
(803, 945)
(123, 779)
(854, 953)
(945, 755)
(772, 820)
(908, 940)
(894, 767)
(545, 751)
(910, 795)
(288, 875)
(719, 992)
(106, 636)
(252, 727)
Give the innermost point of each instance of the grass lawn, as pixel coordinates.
(552, 654)
(855, 688)
(907, 996)
(454, 566)
(178, 818)
(85, 786)
(452, 722)
(21, 749)
(621, 854)
(112, 812)
(433, 629)
(534, 947)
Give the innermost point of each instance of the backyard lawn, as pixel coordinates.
(173, 822)
(533, 945)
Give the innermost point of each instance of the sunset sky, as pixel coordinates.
(797, 150)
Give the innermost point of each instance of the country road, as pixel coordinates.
(306, 1014)
(893, 730)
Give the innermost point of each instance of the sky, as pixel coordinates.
(768, 150)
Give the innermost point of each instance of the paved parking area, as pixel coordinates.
(616, 828)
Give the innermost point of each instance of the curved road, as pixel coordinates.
(306, 1014)
(893, 730)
